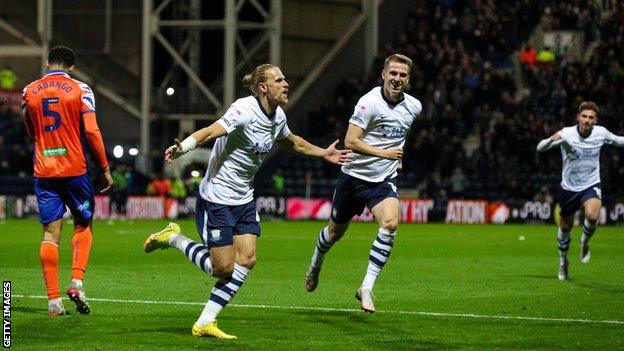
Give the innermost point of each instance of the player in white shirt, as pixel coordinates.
(580, 177)
(226, 215)
(377, 131)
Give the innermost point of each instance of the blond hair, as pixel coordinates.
(588, 105)
(398, 58)
(255, 77)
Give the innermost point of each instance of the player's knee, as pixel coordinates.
(592, 217)
(390, 224)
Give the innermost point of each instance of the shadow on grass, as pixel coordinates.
(31, 310)
(600, 287)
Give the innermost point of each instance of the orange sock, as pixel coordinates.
(81, 242)
(49, 263)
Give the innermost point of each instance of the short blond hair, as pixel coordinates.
(257, 76)
(398, 58)
(588, 105)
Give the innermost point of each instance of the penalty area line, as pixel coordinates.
(331, 309)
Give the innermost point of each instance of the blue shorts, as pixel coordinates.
(571, 201)
(353, 194)
(53, 194)
(217, 224)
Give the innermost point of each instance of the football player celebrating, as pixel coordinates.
(226, 215)
(580, 147)
(376, 133)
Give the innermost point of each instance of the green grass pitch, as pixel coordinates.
(445, 287)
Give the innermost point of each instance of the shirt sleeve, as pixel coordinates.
(547, 144)
(613, 139)
(284, 132)
(87, 99)
(235, 117)
(362, 114)
(26, 116)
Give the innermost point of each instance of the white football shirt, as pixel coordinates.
(236, 157)
(581, 156)
(386, 125)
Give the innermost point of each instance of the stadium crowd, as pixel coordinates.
(478, 131)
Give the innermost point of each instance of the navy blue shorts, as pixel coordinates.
(571, 201)
(53, 194)
(353, 194)
(217, 224)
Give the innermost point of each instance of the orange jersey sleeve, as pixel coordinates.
(53, 108)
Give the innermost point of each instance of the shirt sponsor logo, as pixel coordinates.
(55, 151)
(261, 148)
(84, 206)
(391, 132)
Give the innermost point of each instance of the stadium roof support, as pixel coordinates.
(42, 46)
(371, 13)
(230, 25)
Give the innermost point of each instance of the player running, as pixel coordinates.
(56, 109)
(580, 177)
(226, 215)
(376, 133)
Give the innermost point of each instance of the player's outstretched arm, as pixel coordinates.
(199, 137)
(354, 141)
(550, 142)
(615, 140)
(301, 146)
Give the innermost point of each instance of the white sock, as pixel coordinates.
(588, 231)
(379, 254)
(322, 247)
(196, 253)
(563, 243)
(55, 302)
(76, 283)
(222, 293)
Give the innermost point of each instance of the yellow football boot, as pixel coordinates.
(211, 330)
(160, 240)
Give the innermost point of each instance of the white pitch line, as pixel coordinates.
(331, 309)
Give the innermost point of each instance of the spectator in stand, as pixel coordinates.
(278, 182)
(194, 181)
(8, 78)
(546, 58)
(121, 181)
(544, 195)
(178, 189)
(528, 56)
(159, 186)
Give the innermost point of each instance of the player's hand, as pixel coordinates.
(174, 151)
(107, 180)
(555, 136)
(336, 156)
(394, 153)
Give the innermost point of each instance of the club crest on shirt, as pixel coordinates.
(215, 234)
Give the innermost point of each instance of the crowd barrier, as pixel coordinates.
(296, 208)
